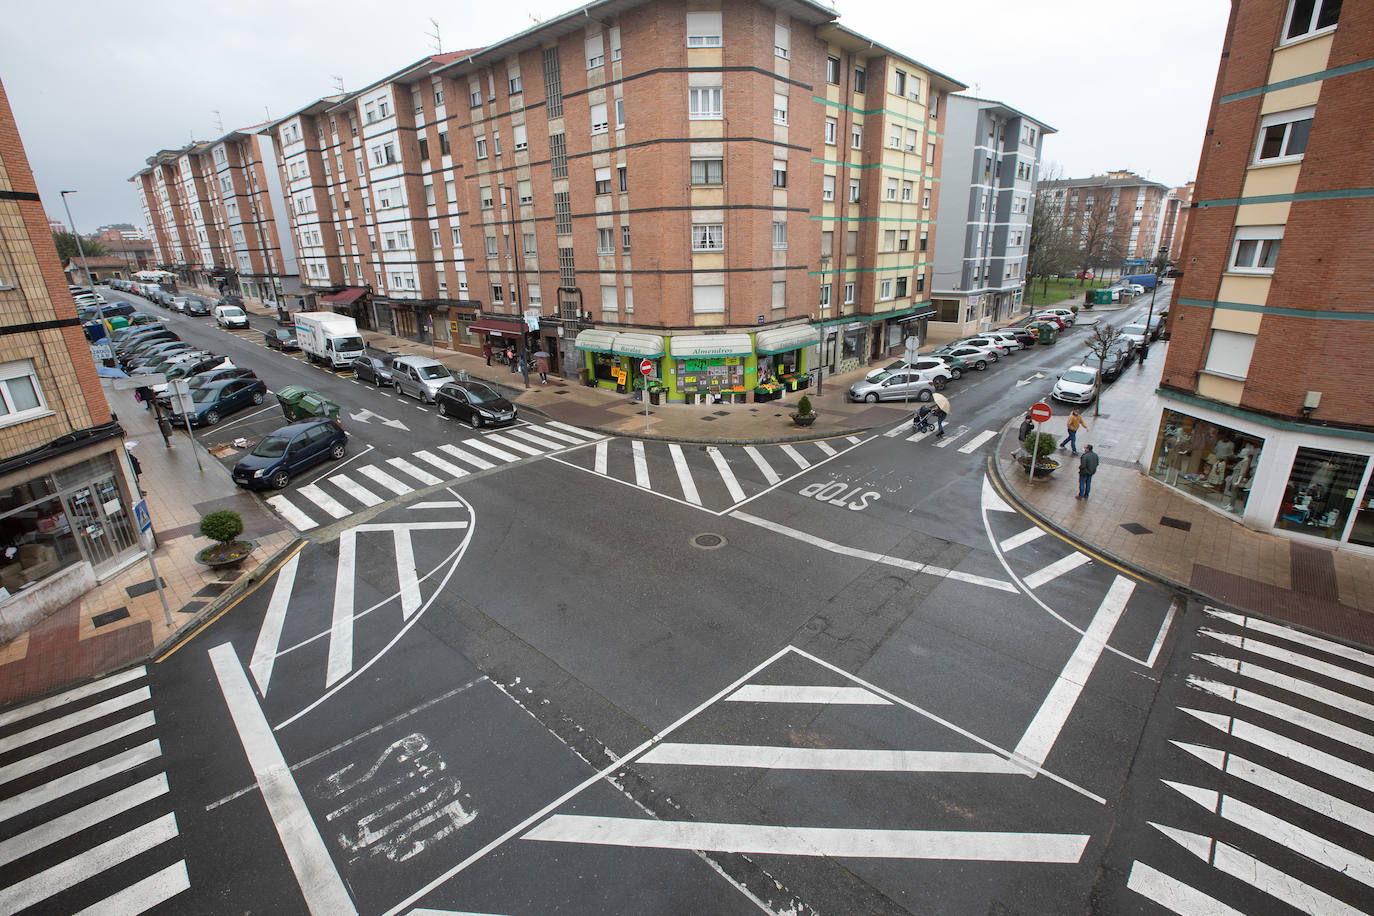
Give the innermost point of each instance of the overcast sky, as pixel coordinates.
(97, 87)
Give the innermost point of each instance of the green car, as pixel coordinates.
(301, 403)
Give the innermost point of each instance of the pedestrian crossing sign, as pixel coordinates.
(145, 522)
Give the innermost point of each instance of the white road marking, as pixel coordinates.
(949, 437)
(684, 476)
(810, 758)
(1055, 570)
(439, 504)
(341, 625)
(781, 693)
(726, 474)
(764, 467)
(480, 463)
(1297, 659)
(586, 434)
(917, 437)
(990, 500)
(324, 500)
(1025, 537)
(795, 455)
(972, 445)
(405, 467)
(355, 490)
(563, 437)
(483, 445)
(601, 450)
(1295, 751)
(641, 465)
(448, 467)
(515, 444)
(948, 845)
(825, 447)
(1173, 894)
(853, 440)
(80, 717)
(83, 818)
(1291, 714)
(142, 896)
(1291, 635)
(896, 431)
(408, 578)
(1041, 734)
(287, 510)
(305, 849)
(386, 480)
(1292, 685)
(18, 714)
(46, 758)
(540, 441)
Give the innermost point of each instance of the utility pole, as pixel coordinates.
(80, 249)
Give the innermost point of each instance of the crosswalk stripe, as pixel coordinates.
(972, 444)
(895, 431)
(405, 467)
(1291, 635)
(80, 779)
(158, 887)
(555, 434)
(854, 440)
(80, 717)
(949, 437)
(1024, 537)
(727, 475)
(540, 441)
(1292, 685)
(385, 479)
(1295, 751)
(341, 620)
(287, 510)
(52, 755)
(826, 447)
(586, 434)
(483, 445)
(641, 465)
(18, 714)
(1173, 894)
(508, 442)
(323, 500)
(92, 862)
(1056, 569)
(600, 463)
(795, 455)
(447, 467)
(1291, 714)
(684, 476)
(269, 634)
(764, 467)
(480, 463)
(917, 437)
(356, 490)
(1297, 659)
(83, 818)
(859, 760)
(806, 693)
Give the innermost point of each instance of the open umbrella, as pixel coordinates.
(942, 402)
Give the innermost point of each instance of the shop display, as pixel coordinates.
(1321, 492)
(1214, 463)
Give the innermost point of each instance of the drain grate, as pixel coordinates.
(1178, 523)
(1136, 528)
(708, 541)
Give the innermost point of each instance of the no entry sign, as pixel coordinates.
(1040, 412)
(645, 367)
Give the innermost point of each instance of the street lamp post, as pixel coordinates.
(820, 339)
(80, 249)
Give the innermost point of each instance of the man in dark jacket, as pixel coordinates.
(1087, 467)
(1027, 425)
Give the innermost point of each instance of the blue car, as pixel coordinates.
(288, 451)
(218, 399)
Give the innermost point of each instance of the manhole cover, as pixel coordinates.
(708, 541)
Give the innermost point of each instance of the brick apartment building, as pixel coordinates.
(1118, 218)
(1264, 409)
(1176, 209)
(65, 488)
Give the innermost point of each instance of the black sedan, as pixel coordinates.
(474, 402)
(197, 308)
(280, 339)
(374, 369)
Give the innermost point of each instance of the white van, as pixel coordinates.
(419, 376)
(230, 316)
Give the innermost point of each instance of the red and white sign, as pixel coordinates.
(645, 367)
(1040, 412)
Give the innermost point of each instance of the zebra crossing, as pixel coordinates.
(710, 477)
(342, 494)
(82, 792)
(952, 434)
(1276, 772)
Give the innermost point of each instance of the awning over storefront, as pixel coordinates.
(925, 311)
(705, 346)
(649, 346)
(596, 341)
(498, 327)
(781, 340)
(343, 297)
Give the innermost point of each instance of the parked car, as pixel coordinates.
(977, 357)
(197, 308)
(998, 348)
(939, 373)
(1113, 361)
(1135, 333)
(418, 376)
(1136, 289)
(208, 377)
(1156, 326)
(1023, 334)
(178, 304)
(230, 316)
(1076, 386)
(218, 399)
(1006, 338)
(280, 339)
(374, 369)
(1083, 275)
(1068, 316)
(957, 366)
(189, 369)
(1059, 323)
(901, 385)
(474, 402)
(290, 450)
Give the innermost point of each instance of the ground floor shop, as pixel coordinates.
(960, 313)
(850, 342)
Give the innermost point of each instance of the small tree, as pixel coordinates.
(1100, 342)
(804, 406)
(222, 526)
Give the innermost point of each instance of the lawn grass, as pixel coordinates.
(1059, 290)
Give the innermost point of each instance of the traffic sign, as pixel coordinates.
(645, 367)
(141, 517)
(1040, 412)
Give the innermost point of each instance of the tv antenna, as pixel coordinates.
(219, 121)
(438, 41)
(339, 83)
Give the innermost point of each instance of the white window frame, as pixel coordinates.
(524, 190)
(708, 298)
(600, 123)
(825, 296)
(832, 131)
(907, 188)
(1266, 246)
(619, 113)
(832, 70)
(605, 241)
(779, 173)
(884, 290)
(779, 294)
(596, 51)
(602, 179)
(706, 172)
(705, 103)
(827, 187)
(1310, 27)
(892, 189)
(704, 29)
(780, 235)
(491, 246)
(522, 142)
(481, 147)
(779, 109)
(515, 86)
(849, 293)
(782, 41)
(854, 190)
(1286, 120)
(708, 236)
(894, 136)
(13, 372)
(856, 136)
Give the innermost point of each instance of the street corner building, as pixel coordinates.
(1264, 409)
(66, 490)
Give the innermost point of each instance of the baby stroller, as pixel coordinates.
(923, 421)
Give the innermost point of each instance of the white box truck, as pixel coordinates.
(330, 338)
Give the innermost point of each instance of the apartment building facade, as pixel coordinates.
(1264, 409)
(1117, 218)
(66, 489)
(1176, 209)
(990, 171)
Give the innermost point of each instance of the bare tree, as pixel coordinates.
(1098, 245)
(1100, 342)
(1050, 251)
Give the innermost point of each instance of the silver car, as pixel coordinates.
(419, 376)
(901, 385)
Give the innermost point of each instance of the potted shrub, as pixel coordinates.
(1043, 446)
(224, 527)
(806, 414)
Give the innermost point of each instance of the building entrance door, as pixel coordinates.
(101, 522)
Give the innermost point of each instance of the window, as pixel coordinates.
(609, 302)
(1256, 249)
(450, 192)
(443, 143)
(904, 240)
(930, 153)
(475, 97)
(369, 115)
(515, 86)
(524, 191)
(851, 242)
(487, 202)
(599, 123)
(782, 41)
(605, 241)
(885, 290)
(703, 30)
(567, 269)
(21, 398)
(892, 189)
(925, 199)
(779, 173)
(521, 138)
(384, 153)
(901, 287)
(603, 181)
(899, 82)
(925, 240)
(708, 297)
(1308, 16)
(596, 51)
(438, 97)
(434, 238)
(934, 103)
(894, 136)
(856, 137)
(907, 188)
(920, 283)
(889, 240)
(457, 238)
(383, 109)
(708, 237)
(828, 187)
(1229, 353)
(624, 176)
(619, 113)
(496, 294)
(424, 151)
(625, 239)
(832, 128)
(704, 103)
(615, 43)
(849, 294)
(853, 190)
(832, 70)
(491, 246)
(553, 83)
(708, 171)
(780, 235)
(779, 294)
(860, 79)
(779, 108)
(562, 212)
(1283, 135)
(527, 244)
(481, 147)
(558, 156)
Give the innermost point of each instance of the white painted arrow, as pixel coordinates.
(365, 415)
(1027, 381)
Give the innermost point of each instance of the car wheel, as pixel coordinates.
(871, 397)
(377, 380)
(443, 411)
(476, 421)
(981, 365)
(939, 383)
(257, 397)
(280, 480)
(211, 418)
(396, 386)
(995, 357)
(336, 451)
(925, 395)
(956, 374)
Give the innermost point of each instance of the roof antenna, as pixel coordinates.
(339, 84)
(438, 42)
(219, 121)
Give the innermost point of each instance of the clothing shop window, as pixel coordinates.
(1320, 494)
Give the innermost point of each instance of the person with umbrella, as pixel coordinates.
(941, 411)
(541, 358)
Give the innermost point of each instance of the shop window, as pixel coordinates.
(1362, 532)
(1320, 494)
(1209, 462)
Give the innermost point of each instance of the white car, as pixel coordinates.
(1066, 314)
(1076, 386)
(934, 370)
(1135, 333)
(1136, 289)
(230, 316)
(1009, 340)
(999, 348)
(977, 357)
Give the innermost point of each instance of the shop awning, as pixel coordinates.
(706, 346)
(344, 296)
(927, 311)
(596, 341)
(643, 345)
(498, 327)
(781, 340)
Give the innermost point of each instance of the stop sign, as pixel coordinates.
(1040, 412)
(645, 367)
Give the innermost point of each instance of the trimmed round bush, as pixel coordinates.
(222, 526)
(804, 406)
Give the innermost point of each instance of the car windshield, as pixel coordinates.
(1133, 329)
(1078, 377)
(881, 377)
(433, 372)
(272, 447)
(481, 394)
(349, 343)
(232, 311)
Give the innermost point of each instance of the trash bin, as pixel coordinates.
(299, 402)
(654, 396)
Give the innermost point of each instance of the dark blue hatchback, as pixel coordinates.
(289, 451)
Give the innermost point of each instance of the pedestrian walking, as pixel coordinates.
(486, 351)
(1087, 467)
(525, 369)
(1075, 424)
(1027, 426)
(939, 422)
(510, 359)
(145, 395)
(542, 361)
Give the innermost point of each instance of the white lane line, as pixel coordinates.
(1297, 659)
(1291, 684)
(305, 849)
(600, 465)
(1291, 635)
(641, 465)
(356, 490)
(448, 467)
(269, 634)
(408, 577)
(1055, 570)
(73, 871)
(515, 444)
(341, 625)
(80, 779)
(949, 437)
(10, 716)
(481, 464)
(83, 818)
(847, 759)
(1296, 751)
(287, 510)
(405, 467)
(917, 437)
(825, 447)
(438, 504)
(795, 455)
(766, 469)
(1173, 894)
(1291, 714)
(483, 445)
(547, 444)
(784, 693)
(562, 437)
(586, 434)
(726, 474)
(957, 845)
(1041, 734)
(1018, 540)
(684, 475)
(385, 479)
(871, 556)
(972, 445)
(80, 717)
(323, 500)
(142, 896)
(46, 758)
